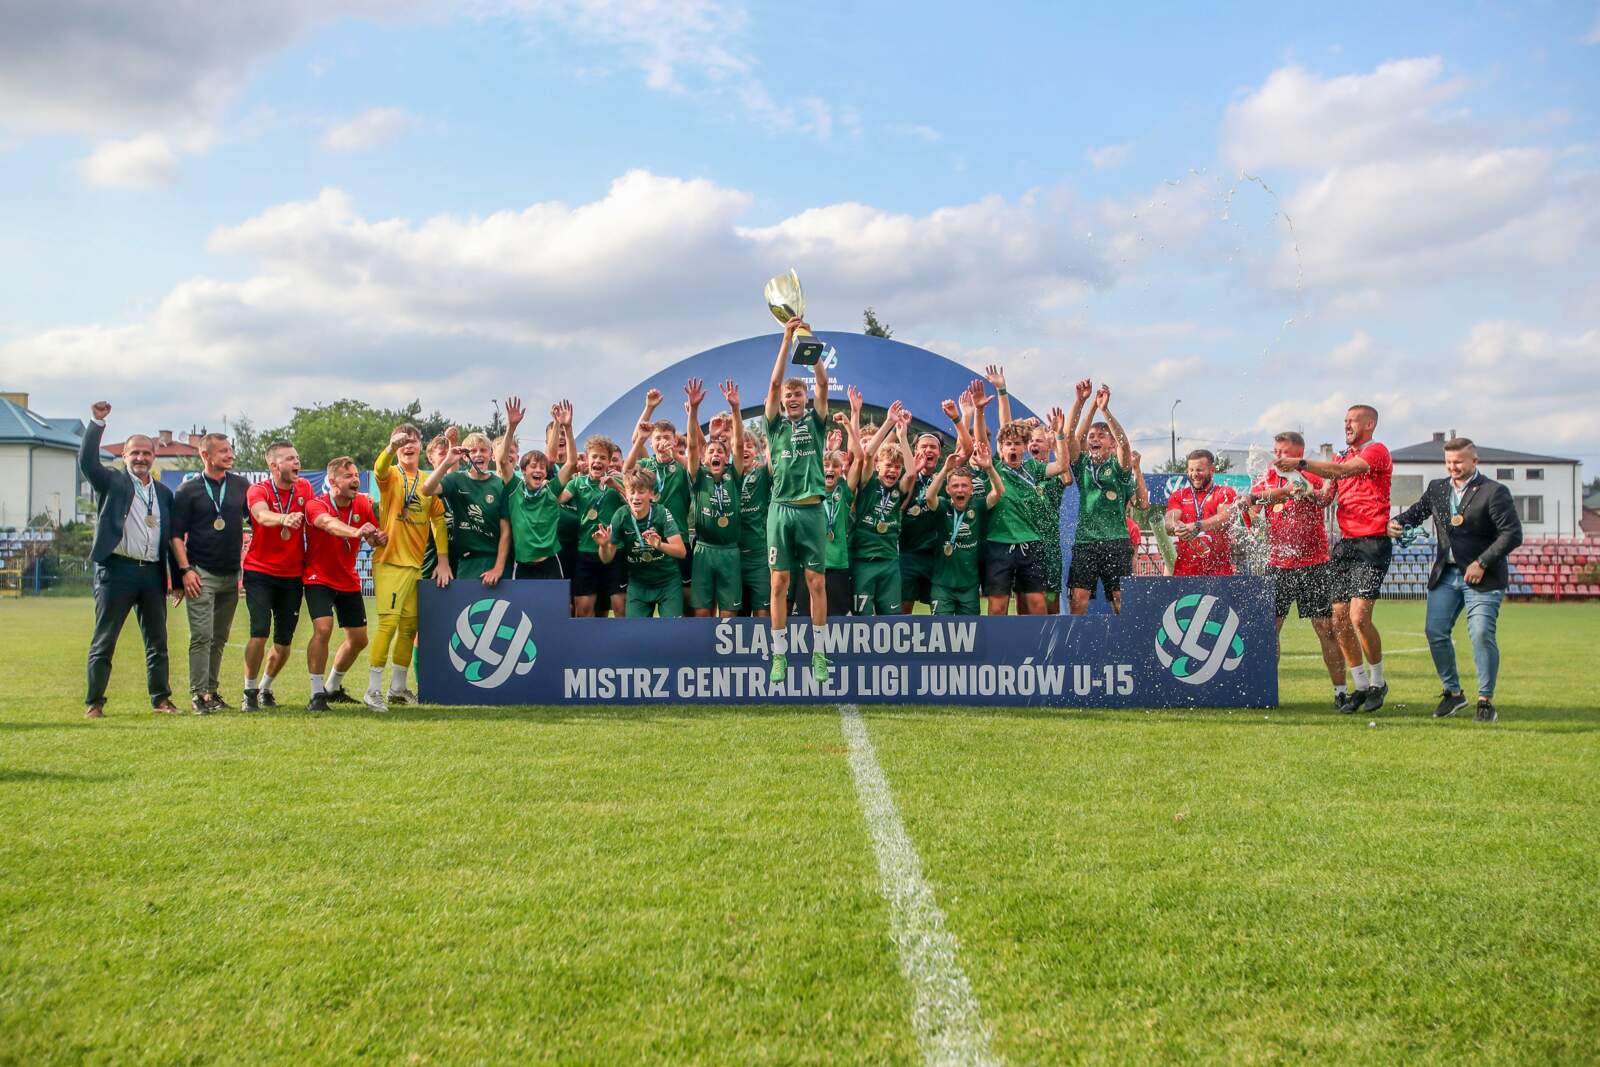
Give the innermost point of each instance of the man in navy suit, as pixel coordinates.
(133, 560)
(1477, 528)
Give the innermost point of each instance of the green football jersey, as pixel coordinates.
(568, 525)
(956, 560)
(794, 448)
(646, 565)
(1104, 492)
(535, 521)
(475, 507)
(1014, 519)
(876, 534)
(836, 506)
(672, 487)
(919, 530)
(755, 497)
(593, 500)
(716, 508)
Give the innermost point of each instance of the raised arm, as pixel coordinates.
(774, 386)
(636, 449)
(1141, 491)
(505, 453)
(908, 475)
(452, 460)
(819, 396)
(997, 378)
(694, 393)
(890, 421)
(980, 424)
(98, 474)
(1103, 401)
(930, 499)
(730, 393)
(953, 412)
(997, 486)
(1077, 434)
(1331, 469)
(1060, 467)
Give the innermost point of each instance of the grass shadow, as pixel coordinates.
(7, 775)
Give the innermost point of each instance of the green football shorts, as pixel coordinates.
(717, 580)
(646, 600)
(876, 586)
(797, 538)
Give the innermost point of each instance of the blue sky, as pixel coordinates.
(215, 214)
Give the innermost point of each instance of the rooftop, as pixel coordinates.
(21, 425)
(1433, 452)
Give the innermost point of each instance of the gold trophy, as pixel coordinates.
(786, 301)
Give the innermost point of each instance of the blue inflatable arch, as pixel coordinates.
(884, 370)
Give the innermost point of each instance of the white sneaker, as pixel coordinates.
(402, 696)
(374, 700)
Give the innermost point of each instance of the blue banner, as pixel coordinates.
(1179, 642)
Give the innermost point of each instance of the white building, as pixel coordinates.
(38, 466)
(1548, 490)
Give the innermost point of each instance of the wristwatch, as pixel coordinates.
(1301, 465)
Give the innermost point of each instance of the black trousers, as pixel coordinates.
(122, 585)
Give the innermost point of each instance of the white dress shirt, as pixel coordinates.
(141, 541)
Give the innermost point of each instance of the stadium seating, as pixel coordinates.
(1555, 568)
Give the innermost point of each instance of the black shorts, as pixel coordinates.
(547, 568)
(686, 564)
(274, 606)
(1309, 587)
(1358, 566)
(569, 559)
(1013, 568)
(348, 608)
(1106, 562)
(838, 579)
(597, 579)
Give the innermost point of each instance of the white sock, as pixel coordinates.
(780, 642)
(1340, 690)
(397, 680)
(1358, 675)
(266, 684)
(1375, 672)
(374, 679)
(252, 683)
(335, 681)
(816, 638)
(316, 684)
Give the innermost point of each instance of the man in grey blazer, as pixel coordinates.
(133, 561)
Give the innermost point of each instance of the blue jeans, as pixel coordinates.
(1445, 602)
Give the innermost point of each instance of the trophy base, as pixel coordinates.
(807, 351)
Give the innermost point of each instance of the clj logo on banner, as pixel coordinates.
(1193, 645)
(487, 650)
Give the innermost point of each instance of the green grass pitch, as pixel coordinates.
(618, 885)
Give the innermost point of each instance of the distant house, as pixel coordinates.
(1548, 490)
(170, 448)
(39, 466)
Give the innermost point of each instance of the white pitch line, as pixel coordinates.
(945, 1015)
(1386, 652)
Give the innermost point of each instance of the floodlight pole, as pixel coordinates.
(1172, 419)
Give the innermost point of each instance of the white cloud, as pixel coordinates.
(1356, 352)
(91, 67)
(1299, 120)
(600, 292)
(916, 132)
(1109, 157)
(1400, 186)
(372, 128)
(147, 161)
